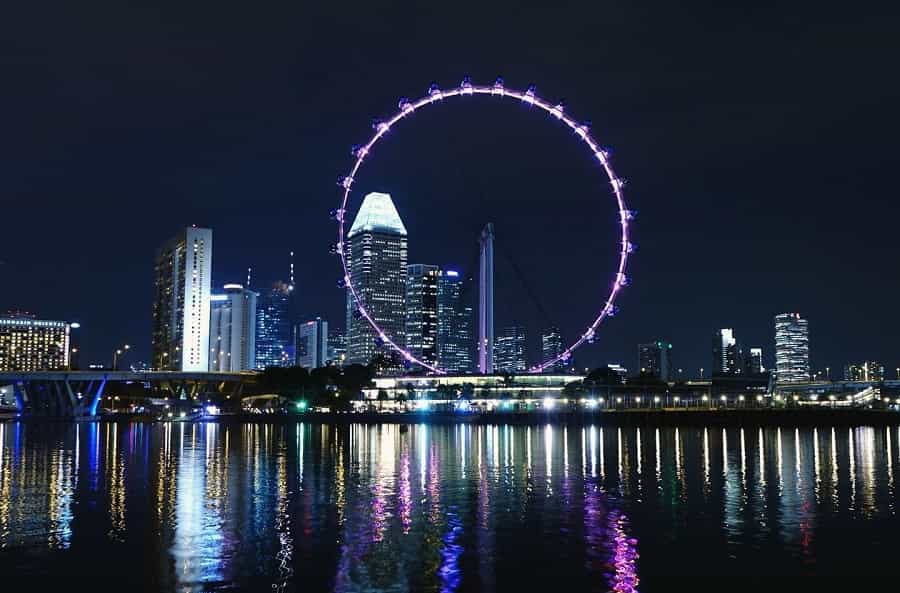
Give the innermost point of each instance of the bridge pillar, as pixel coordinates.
(21, 395)
(95, 400)
(72, 401)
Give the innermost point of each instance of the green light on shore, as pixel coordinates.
(301, 405)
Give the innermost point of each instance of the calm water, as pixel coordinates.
(305, 507)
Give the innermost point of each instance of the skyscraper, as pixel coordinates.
(455, 346)
(337, 348)
(422, 311)
(725, 353)
(30, 344)
(509, 350)
(867, 371)
(312, 343)
(232, 329)
(376, 254)
(655, 359)
(274, 346)
(754, 362)
(791, 348)
(181, 303)
(551, 347)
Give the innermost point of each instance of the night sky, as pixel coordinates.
(759, 141)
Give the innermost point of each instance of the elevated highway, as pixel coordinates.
(75, 394)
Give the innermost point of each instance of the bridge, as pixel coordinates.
(77, 394)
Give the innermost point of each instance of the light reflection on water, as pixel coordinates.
(202, 507)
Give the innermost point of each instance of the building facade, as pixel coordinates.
(376, 252)
(274, 331)
(232, 329)
(725, 354)
(791, 348)
(869, 370)
(655, 360)
(422, 311)
(312, 343)
(183, 274)
(552, 347)
(455, 340)
(30, 344)
(337, 348)
(754, 362)
(509, 350)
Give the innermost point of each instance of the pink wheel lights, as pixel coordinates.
(581, 130)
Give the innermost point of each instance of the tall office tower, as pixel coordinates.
(726, 359)
(30, 344)
(791, 348)
(509, 350)
(866, 371)
(376, 260)
(232, 329)
(181, 303)
(274, 346)
(422, 311)
(337, 349)
(655, 359)
(312, 343)
(455, 345)
(486, 301)
(753, 365)
(551, 347)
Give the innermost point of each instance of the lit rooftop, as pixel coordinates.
(377, 215)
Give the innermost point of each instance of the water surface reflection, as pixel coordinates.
(206, 507)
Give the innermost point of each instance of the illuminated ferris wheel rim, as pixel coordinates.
(436, 95)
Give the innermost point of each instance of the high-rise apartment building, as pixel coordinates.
(181, 303)
(791, 348)
(30, 344)
(455, 340)
(232, 329)
(312, 343)
(337, 348)
(376, 252)
(551, 347)
(274, 329)
(422, 311)
(509, 350)
(754, 362)
(869, 370)
(655, 359)
(726, 357)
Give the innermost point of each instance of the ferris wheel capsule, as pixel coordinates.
(434, 91)
(404, 105)
(466, 86)
(498, 89)
(529, 95)
(557, 110)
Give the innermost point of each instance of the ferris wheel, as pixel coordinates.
(498, 90)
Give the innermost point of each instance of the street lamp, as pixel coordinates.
(117, 353)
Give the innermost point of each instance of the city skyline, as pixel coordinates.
(725, 174)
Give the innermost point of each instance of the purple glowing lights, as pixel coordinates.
(581, 130)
